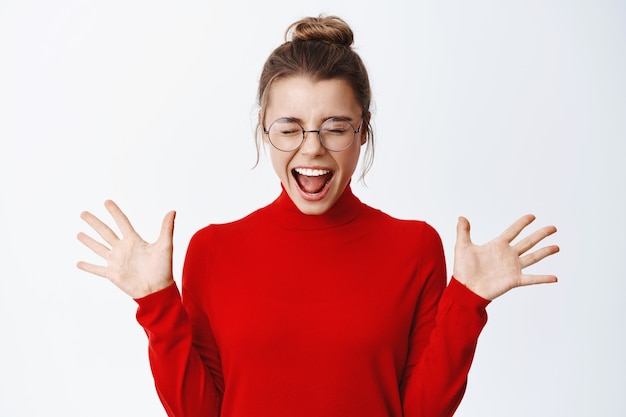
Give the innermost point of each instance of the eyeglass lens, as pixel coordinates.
(335, 134)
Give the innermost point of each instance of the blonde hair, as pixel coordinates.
(320, 48)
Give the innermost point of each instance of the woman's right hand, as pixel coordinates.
(135, 266)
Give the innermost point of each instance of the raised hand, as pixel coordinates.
(492, 269)
(138, 268)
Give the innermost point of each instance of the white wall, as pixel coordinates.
(488, 109)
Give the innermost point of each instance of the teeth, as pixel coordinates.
(311, 172)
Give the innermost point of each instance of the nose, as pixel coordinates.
(312, 145)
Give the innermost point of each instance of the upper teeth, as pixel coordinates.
(311, 172)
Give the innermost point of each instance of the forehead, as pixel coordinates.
(304, 97)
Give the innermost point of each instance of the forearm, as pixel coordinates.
(436, 383)
(183, 382)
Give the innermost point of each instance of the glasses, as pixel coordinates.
(335, 134)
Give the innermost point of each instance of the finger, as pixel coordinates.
(538, 255)
(167, 228)
(515, 229)
(100, 227)
(534, 238)
(463, 232)
(120, 218)
(537, 279)
(97, 247)
(98, 270)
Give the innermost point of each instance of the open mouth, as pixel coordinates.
(312, 181)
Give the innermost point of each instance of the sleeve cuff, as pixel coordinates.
(154, 308)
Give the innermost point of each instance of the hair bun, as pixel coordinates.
(328, 29)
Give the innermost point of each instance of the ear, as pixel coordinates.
(261, 128)
(365, 128)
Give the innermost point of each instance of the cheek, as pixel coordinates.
(280, 160)
(348, 161)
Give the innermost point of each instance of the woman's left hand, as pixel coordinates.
(492, 269)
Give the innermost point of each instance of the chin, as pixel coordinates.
(314, 204)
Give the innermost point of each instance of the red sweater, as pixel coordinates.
(338, 315)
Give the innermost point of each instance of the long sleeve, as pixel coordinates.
(182, 379)
(446, 327)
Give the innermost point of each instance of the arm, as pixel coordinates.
(144, 271)
(446, 325)
(435, 384)
(436, 375)
(181, 371)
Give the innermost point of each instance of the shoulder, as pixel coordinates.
(418, 230)
(412, 247)
(412, 240)
(222, 232)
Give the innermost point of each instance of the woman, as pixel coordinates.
(317, 304)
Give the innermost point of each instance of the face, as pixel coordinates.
(313, 176)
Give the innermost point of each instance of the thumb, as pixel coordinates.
(463, 232)
(167, 228)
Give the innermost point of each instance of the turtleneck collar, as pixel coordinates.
(287, 214)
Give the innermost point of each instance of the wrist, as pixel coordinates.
(150, 288)
(153, 288)
(477, 288)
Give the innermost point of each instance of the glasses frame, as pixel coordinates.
(318, 131)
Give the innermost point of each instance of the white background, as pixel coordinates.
(488, 109)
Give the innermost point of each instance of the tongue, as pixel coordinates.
(312, 185)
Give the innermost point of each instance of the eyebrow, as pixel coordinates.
(300, 121)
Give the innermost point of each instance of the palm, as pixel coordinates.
(135, 266)
(492, 269)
